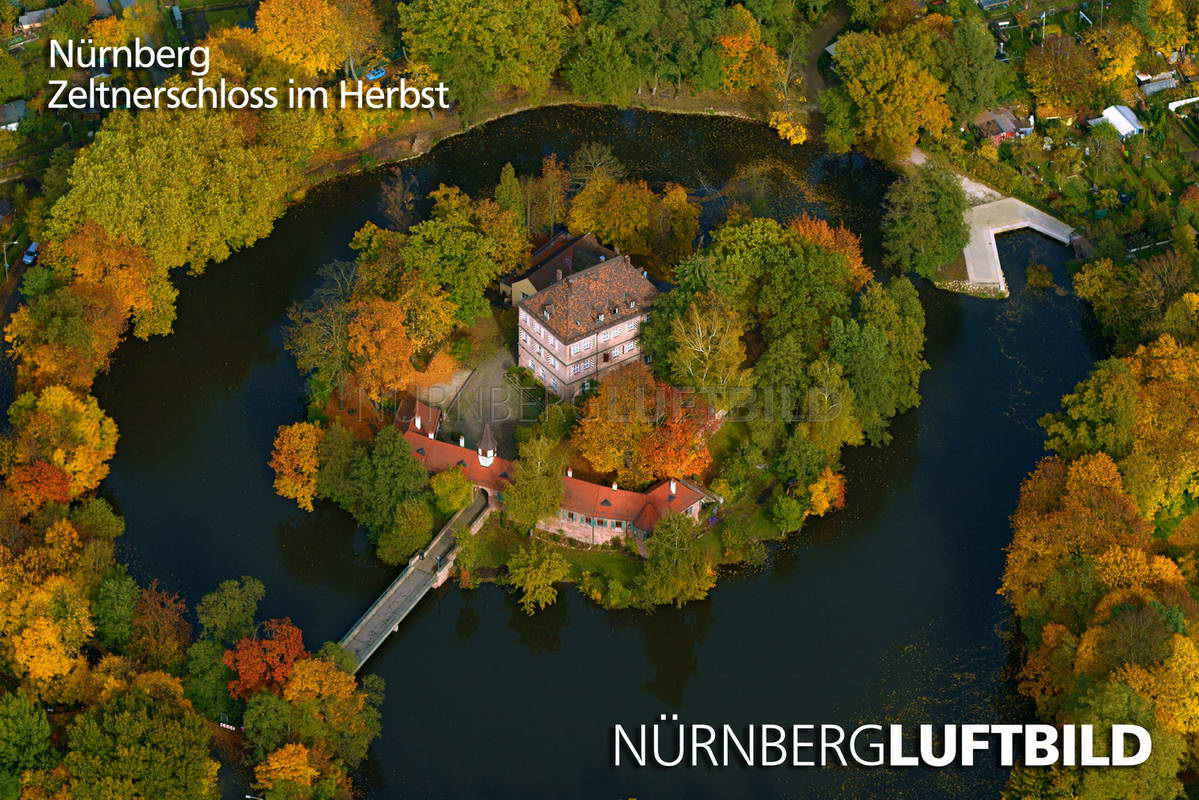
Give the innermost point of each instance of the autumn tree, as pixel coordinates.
(265, 660)
(160, 630)
(217, 191)
(316, 36)
(838, 239)
(534, 569)
(295, 462)
(288, 769)
(616, 420)
(886, 99)
(1061, 73)
(67, 431)
(1117, 44)
(750, 64)
(382, 350)
(677, 447)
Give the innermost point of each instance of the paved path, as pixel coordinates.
(992, 212)
(424, 571)
(1000, 216)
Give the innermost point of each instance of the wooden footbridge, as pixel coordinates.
(426, 570)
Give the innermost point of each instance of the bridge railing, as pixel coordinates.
(446, 530)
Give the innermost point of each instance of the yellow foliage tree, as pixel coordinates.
(290, 763)
(295, 462)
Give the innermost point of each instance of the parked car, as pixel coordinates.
(30, 255)
(375, 74)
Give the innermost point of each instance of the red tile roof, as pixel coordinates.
(410, 409)
(563, 252)
(595, 298)
(643, 509)
(438, 456)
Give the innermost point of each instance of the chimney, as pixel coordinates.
(614, 486)
(417, 420)
(430, 434)
(461, 440)
(644, 274)
(557, 275)
(673, 487)
(570, 473)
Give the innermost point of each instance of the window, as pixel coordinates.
(541, 372)
(553, 383)
(618, 350)
(524, 337)
(524, 318)
(603, 336)
(631, 326)
(601, 523)
(630, 347)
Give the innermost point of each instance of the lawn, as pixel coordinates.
(609, 563)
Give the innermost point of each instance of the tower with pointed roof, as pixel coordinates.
(486, 447)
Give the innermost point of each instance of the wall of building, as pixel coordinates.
(564, 367)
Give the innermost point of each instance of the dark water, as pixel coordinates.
(884, 612)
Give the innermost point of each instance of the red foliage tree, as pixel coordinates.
(677, 446)
(264, 661)
(39, 483)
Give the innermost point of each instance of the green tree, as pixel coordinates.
(534, 569)
(1098, 416)
(206, 679)
(463, 247)
(227, 613)
(112, 608)
(384, 477)
(452, 490)
(510, 195)
(338, 452)
(411, 530)
(677, 570)
(144, 743)
(924, 227)
(12, 77)
(482, 46)
(972, 75)
(599, 69)
(536, 489)
(24, 735)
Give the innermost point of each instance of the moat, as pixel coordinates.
(884, 612)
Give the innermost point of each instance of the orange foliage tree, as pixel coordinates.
(381, 347)
(677, 447)
(837, 239)
(266, 661)
(296, 462)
